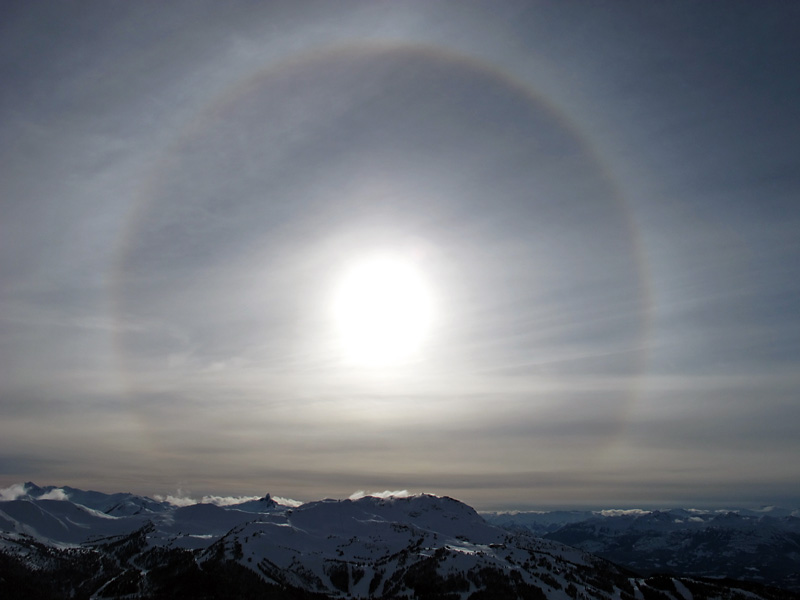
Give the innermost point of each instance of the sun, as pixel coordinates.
(383, 311)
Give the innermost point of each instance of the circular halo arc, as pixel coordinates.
(145, 201)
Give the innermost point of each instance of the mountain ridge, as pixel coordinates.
(421, 546)
(759, 546)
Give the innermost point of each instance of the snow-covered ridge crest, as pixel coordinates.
(371, 546)
(127, 502)
(380, 546)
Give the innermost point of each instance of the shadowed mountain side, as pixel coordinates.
(759, 546)
(412, 547)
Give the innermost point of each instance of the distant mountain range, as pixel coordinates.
(761, 546)
(63, 542)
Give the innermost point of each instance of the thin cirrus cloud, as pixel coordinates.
(607, 222)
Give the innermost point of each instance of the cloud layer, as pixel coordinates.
(603, 202)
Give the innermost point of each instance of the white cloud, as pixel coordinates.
(618, 512)
(182, 499)
(13, 492)
(55, 494)
(385, 494)
(227, 500)
(288, 501)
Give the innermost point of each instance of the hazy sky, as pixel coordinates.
(601, 200)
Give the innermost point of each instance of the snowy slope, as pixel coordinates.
(119, 504)
(375, 547)
(52, 521)
(762, 546)
(416, 547)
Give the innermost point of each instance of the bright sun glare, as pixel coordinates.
(383, 312)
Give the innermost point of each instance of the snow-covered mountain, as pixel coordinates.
(413, 547)
(120, 504)
(761, 546)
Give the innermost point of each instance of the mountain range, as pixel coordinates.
(58, 542)
(761, 546)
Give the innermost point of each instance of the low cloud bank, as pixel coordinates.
(288, 501)
(20, 490)
(182, 498)
(385, 494)
(13, 492)
(56, 494)
(619, 512)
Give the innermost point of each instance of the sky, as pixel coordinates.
(586, 215)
